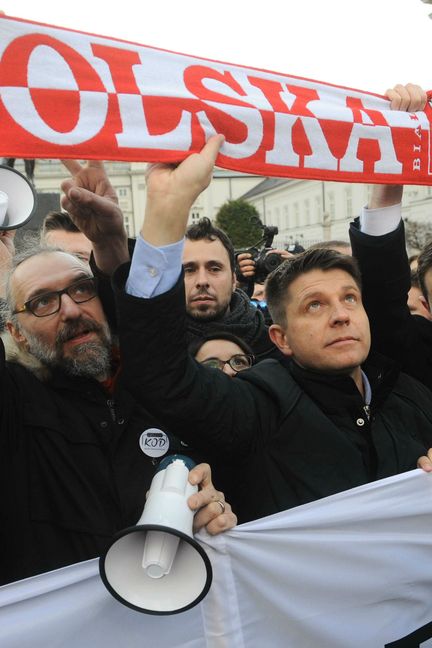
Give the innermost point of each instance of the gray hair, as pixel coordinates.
(8, 305)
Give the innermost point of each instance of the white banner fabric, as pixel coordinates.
(350, 571)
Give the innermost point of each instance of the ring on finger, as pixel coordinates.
(221, 504)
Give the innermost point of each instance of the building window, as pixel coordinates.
(285, 217)
(296, 215)
(122, 192)
(348, 199)
(306, 219)
(331, 204)
(318, 209)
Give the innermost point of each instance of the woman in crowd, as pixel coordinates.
(223, 351)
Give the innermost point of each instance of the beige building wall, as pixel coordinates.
(417, 203)
(128, 180)
(226, 185)
(309, 211)
(306, 211)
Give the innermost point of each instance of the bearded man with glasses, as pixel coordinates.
(82, 345)
(75, 466)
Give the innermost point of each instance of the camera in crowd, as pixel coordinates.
(265, 260)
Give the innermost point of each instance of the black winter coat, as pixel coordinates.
(71, 469)
(294, 436)
(397, 334)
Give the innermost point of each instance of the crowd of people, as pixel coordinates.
(108, 340)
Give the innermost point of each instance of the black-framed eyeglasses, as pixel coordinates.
(238, 362)
(50, 302)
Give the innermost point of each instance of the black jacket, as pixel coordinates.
(71, 469)
(405, 338)
(294, 436)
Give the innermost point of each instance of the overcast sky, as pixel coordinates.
(365, 44)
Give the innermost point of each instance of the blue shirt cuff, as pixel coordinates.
(154, 270)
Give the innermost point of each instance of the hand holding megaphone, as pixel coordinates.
(157, 566)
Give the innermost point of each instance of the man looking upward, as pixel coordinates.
(327, 418)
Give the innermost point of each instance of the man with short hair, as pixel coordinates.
(213, 304)
(75, 465)
(209, 267)
(58, 230)
(321, 421)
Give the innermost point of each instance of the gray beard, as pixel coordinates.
(93, 360)
(88, 360)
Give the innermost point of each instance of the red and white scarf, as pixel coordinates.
(66, 94)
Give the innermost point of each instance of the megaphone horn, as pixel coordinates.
(17, 199)
(157, 567)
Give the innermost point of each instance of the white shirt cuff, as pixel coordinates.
(377, 222)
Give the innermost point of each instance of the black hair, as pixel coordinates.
(205, 229)
(335, 244)
(58, 221)
(196, 344)
(281, 278)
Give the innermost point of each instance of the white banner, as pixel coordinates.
(350, 571)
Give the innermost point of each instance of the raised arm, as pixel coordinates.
(378, 243)
(407, 98)
(197, 402)
(171, 192)
(92, 203)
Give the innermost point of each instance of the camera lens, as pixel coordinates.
(272, 261)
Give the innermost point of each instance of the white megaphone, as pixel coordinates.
(156, 566)
(17, 199)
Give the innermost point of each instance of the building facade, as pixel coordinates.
(309, 211)
(305, 211)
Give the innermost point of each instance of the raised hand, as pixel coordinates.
(409, 97)
(91, 200)
(92, 203)
(172, 190)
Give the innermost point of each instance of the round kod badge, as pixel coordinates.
(154, 442)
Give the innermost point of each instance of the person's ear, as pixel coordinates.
(279, 339)
(17, 334)
(234, 281)
(425, 303)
